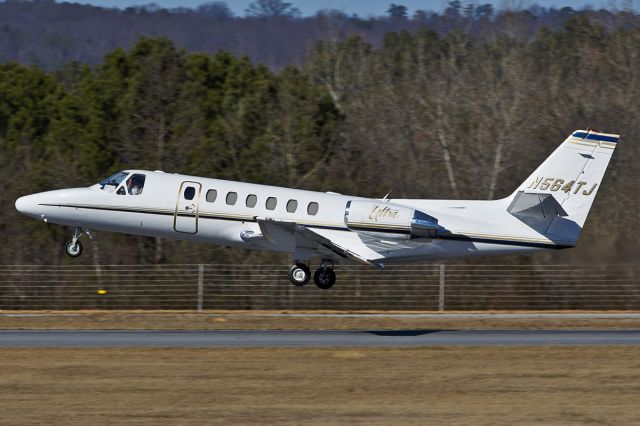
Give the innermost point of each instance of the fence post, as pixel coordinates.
(200, 286)
(96, 262)
(441, 292)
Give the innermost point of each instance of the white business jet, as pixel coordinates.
(547, 211)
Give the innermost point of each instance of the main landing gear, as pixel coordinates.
(74, 247)
(299, 274)
(324, 277)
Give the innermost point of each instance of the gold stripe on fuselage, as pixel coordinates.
(508, 238)
(379, 225)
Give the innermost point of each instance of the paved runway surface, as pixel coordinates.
(323, 338)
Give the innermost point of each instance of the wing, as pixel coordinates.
(334, 243)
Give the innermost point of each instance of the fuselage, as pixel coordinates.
(227, 213)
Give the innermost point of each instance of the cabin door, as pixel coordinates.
(185, 218)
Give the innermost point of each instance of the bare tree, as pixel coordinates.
(271, 8)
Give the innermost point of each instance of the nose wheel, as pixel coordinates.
(74, 247)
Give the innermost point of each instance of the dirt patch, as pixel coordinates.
(265, 320)
(358, 386)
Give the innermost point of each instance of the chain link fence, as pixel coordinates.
(252, 287)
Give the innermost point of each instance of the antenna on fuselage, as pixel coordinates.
(386, 197)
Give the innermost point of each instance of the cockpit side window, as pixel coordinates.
(111, 183)
(135, 184)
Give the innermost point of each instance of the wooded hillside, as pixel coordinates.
(271, 32)
(422, 114)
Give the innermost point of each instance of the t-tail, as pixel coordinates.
(555, 200)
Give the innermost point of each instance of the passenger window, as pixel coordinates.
(271, 203)
(292, 206)
(212, 194)
(312, 208)
(135, 184)
(252, 200)
(189, 193)
(232, 197)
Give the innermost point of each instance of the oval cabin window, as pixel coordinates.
(271, 203)
(212, 194)
(252, 200)
(292, 206)
(232, 197)
(312, 208)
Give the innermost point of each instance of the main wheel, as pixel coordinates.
(324, 278)
(74, 250)
(299, 274)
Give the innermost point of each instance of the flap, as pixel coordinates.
(341, 243)
(346, 244)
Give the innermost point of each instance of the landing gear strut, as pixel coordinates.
(299, 274)
(325, 277)
(74, 247)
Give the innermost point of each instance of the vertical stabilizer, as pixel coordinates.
(557, 197)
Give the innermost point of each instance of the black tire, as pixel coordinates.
(324, 278)
(73, 251)
(296, 274)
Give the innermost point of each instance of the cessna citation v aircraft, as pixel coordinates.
(547, 211)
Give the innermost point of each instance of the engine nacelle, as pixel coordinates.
(381, 217)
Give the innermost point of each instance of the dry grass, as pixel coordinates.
(418, 386)
(229, 320)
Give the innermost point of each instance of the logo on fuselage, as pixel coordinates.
(381, 213)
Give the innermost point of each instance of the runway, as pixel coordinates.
(320, 338)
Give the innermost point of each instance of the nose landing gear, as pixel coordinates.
(74, 247)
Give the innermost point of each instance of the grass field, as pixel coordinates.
(417, 386)
(263, 320)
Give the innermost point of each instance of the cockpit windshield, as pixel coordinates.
(133, 185)
(112, 182)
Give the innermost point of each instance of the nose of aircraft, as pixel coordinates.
(27, 205)
(47, 206)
